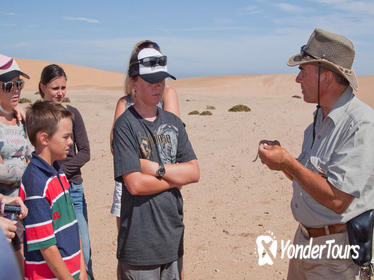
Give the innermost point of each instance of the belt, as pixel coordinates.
(326, 230)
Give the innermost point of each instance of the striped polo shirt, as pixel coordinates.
(51, 219)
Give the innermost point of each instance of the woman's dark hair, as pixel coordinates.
(49, 73)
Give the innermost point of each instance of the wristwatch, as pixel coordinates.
(161, 171)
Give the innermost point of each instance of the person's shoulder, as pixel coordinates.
(126, 118)
(127, 114)
(31, 170)
(168, 114)
(34, 180)
(122, 101)
(171, 117)
(73, 110)
(170, 91)
(361, 112)
(121, 105)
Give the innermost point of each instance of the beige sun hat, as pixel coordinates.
(334, 51)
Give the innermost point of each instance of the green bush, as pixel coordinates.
(194, 113)
(240, 108)
(206, 113)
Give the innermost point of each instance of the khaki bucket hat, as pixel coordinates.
(334, 51)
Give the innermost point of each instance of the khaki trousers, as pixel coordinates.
(322, 268)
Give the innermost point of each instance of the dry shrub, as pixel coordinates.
(206, 113)
(240, 108)
(194, 113)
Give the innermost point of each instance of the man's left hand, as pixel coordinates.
(273, 156)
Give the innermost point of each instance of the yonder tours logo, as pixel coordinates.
(267, 247)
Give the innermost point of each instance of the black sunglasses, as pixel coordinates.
(304, 53)
(148, 44)
(8, 86)
(152, 61)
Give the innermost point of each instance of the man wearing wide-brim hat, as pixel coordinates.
(333, 177)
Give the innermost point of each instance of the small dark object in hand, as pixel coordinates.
(267, 142)
(12, 210)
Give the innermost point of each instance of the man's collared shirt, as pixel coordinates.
(343, 152)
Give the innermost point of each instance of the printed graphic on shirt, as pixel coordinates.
(14, 148)
(145, 146)
(167, 140)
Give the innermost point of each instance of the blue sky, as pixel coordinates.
(200, 38)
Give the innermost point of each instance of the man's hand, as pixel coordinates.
(8, 227)
(14, 201)
(273, 156)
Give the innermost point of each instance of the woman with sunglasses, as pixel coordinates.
(15, 148)
(52, 87)
(169, 102)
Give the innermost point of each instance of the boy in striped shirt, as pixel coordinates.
(52, 242)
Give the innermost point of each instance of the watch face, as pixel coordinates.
(161, 171)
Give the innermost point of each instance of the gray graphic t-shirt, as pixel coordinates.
(152, 227)
(14, 149)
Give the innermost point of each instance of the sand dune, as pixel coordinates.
(236, 200)
(83, 78)
(79, 77)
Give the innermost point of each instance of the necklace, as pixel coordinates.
(6, 112)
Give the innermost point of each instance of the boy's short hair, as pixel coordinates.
(44, 116)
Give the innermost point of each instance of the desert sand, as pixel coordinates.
(236, 200)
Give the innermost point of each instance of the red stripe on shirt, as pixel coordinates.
(54, 188)
(39, 232)
(42, 271)
(22, 193)
(65, 182)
